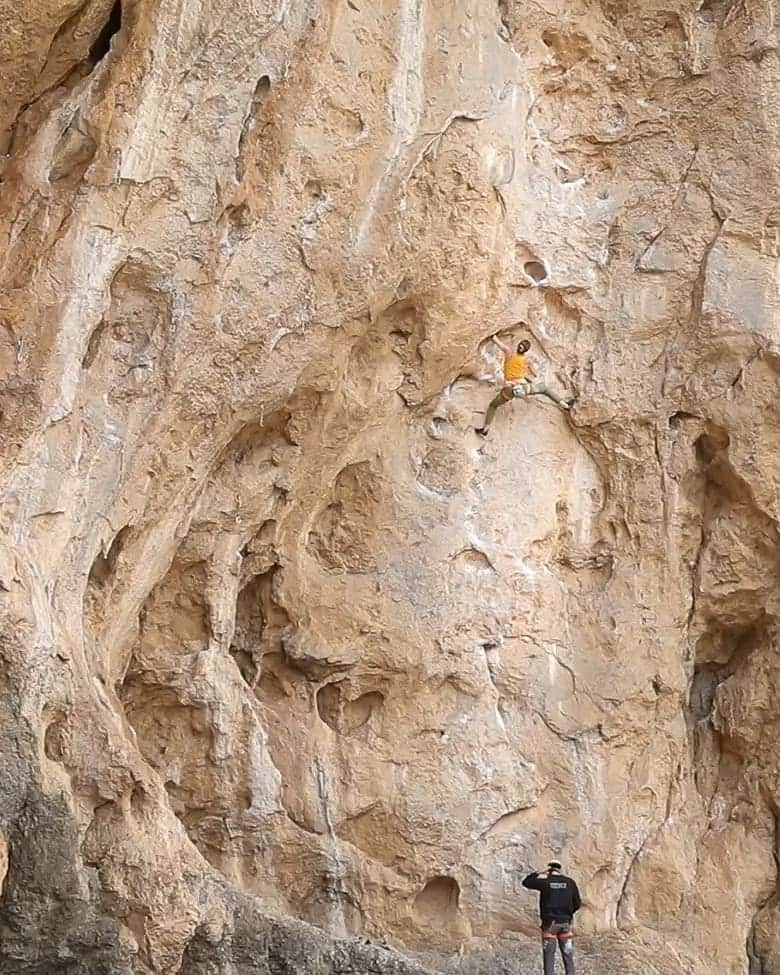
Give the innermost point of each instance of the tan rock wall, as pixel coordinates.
(275, 621)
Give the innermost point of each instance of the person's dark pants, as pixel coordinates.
(557, 933)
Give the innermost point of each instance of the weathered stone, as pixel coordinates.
(282, 640)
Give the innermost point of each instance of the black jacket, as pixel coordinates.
(558, 895)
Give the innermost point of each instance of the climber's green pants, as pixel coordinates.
(509, 392)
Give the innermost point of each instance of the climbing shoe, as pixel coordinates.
(482, 431)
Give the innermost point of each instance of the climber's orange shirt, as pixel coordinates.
(515, 367)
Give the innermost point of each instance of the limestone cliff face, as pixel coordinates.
(281, 637)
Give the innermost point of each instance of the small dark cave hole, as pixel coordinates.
(247, 666)
(677, 419)
(714, 11)
(709, 446)
(55, 740)
(536, 271)
(104, 566)
(702, 693)
(102, 43)
(138, 799)
(438, 902)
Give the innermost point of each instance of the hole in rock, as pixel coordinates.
(678, 418)
(536, 271)
(238, 221)
(247, 666)
(105, 563)
(259, 623)
(93, 346)
(709, 445)
(399, 335)
(262, 88)
(726, 647)
(405, 328)
(102, 43)
(343, 715)
(472, 560)
(438, 901)
(720, 654)
(55, 739)
(703, 687)
(138, 799)
(343, 120)
(715, 11)
(131, 341)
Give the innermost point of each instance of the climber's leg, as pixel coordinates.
(491, 410)
(549, 939)
(566, 941)
(540, 389)
(499, 400)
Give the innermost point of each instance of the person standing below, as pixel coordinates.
(559, 900)
(518, 370)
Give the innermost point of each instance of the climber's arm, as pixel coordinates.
(576, 899)
(535, 881)
(502, 345)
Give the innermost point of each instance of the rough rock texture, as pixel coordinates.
(280, 638)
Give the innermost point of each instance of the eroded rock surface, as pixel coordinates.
(281, 638)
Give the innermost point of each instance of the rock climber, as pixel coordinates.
(559, 900)
(518, 368)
